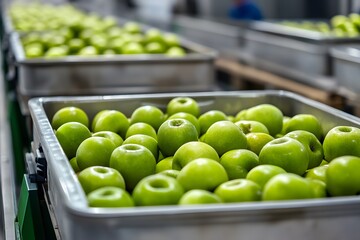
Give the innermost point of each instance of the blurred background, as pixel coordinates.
(274, 9)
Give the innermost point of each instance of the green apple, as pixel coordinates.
(239, 190)
(133, 48)
(312, 145)
(86, 34)
(239, 162)
(342, 176)
(231, 118)
(183, 104)
(75, 45)
(209, 118)
(70, 135)
(175, 52)
(199, 197)
(318, 187)
(287, 186)
(132, 27)
(248, 126)
(161, 157)
(110, 197)
(69, 114)
(148, 114)
(141, 128)
(305, 122)
(114, 32)
(155, 48)
(74, 166)
(96, 117)
(134, 162)
(261, 174)
(66, 32)
(318, 173)
(146, 141)
(191, 118)
(95, 177)
(117, 44)
(323, 163)
(157, 190)
(287, 153)
(202, 173)
(32, 37)
(109, 52)
(88, 51)
(94, 151)
(283, 130)
(191, 151)
(257, 140)
(111, 120)
(56, 41)
(171, 40)
(129, 38)
(109, 22)
(138, 37)
(232, 137)
(164, 164)
(340, 141)
(99, 41)
(268, 114)
(170, 173)
(173, 133)
(154, 35)
(34, 50)
(56, 52)
(114, 137)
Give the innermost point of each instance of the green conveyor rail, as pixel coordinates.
(33, 219)
(20, 138)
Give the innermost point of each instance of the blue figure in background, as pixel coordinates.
(245, 10)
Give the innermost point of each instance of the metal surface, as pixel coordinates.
(299, 60)
(300, 54)
(330, 218)
(7, 173)
(346, 62)
(119, 74)
(225, 36)
(7, 24)
(275, 27)
(74, 75)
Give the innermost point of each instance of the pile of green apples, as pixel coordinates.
(338, 26)
(184, 156)
(58, 31)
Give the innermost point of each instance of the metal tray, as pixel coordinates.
(346, 60)
(276, 28)
(119, 74)
(223, 35)
(298, 54)
(313, 219)
(301, 61)
(6, 21)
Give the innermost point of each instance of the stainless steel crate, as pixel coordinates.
(312, 219)
(223, 35)
(346, 60)
(299, 54)
(73, 75)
